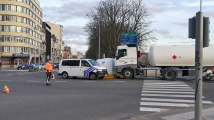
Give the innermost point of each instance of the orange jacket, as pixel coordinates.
(48, 67)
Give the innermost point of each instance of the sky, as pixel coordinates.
(169, 20)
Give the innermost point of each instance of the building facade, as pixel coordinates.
(20, 32)
(67, 52)
(47, 38)
(56, 41)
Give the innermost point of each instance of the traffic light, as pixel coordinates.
(206, 32)
(192, 28)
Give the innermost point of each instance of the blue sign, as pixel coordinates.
(129, 38)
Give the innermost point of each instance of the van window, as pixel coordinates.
(85, 63)
(70, 63)
(65, 63)
(74, 62)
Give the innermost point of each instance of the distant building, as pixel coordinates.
(20, 32)
(47, 38)
(79, 55)
(56, 41)
(67, 52)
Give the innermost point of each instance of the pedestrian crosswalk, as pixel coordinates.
(159, 95)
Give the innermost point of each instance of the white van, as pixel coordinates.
(86, 68)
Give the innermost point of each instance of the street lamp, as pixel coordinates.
(99, 42)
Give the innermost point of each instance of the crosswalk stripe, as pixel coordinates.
(167, 85)
(163, 89)
(173, 100)
(147, 109)
(168, 95)
(158, 82)
(183, 92)
(163, 83)
(166, 104)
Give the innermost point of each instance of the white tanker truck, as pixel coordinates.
(169, 60)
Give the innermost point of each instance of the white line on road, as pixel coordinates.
(5, 80)
(147, 109)
(145, 91)
(168, 95)
(120, 81)
(162, 89)
(173, 100)
(89, 81)
(164, 83)
(61, 81)
(165, 87)
(33, 81)
(166, 104)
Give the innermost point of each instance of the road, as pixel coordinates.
(81, 99)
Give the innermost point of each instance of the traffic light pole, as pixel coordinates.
(199, 65)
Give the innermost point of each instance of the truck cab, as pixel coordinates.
(126, 61)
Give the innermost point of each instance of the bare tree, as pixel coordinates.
(116, 17)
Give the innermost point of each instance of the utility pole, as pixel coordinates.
(199, 65)
(199, 30)
(99, 43)
(39, 54)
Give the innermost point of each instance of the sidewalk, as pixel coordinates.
(183, 114)
(208, 114)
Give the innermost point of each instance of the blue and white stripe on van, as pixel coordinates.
(88, 71)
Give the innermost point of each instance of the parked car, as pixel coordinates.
(23, 67)
(33, 66)
(56, 65)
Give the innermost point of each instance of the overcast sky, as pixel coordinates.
(170, 19)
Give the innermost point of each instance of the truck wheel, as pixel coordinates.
(127, 74)
(93, 76)
(64, 75)
(169, 74)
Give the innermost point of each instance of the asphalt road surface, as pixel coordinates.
(82, 99)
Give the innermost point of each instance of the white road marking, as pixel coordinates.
(165, 87)
(147, 109)
(166, 104)
(159, 89)
(173, 100)
(6, 80)
(33, 81)
(89, 81)
(160, 83)
(61, 81)
(120, 81)
(167, 95)
(173, 92)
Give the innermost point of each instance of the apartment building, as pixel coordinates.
(56, 41)
(20, 32)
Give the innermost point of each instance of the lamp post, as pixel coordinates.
(99, 43)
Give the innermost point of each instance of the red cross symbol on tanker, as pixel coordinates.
(174, 57)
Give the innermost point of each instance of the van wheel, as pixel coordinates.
(93, 76)
(169, 74)
(127, 74)
(64, 75)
